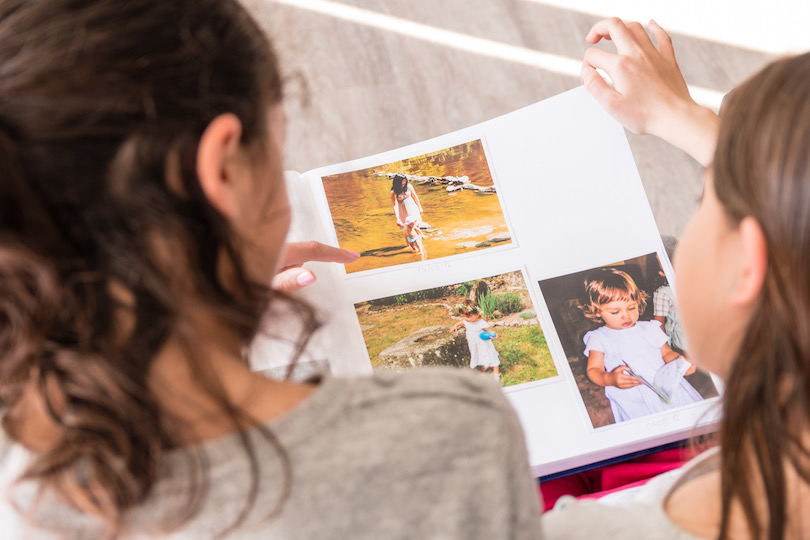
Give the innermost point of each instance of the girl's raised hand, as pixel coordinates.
(622, 380)
(649, 93)
(292, 276)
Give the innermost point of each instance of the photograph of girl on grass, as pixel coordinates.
(446, 201)
(455, 325)
(624, 364)
(483, 355)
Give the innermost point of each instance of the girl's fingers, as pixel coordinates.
(601, 59)
(598, 88)
(665, 47)
(640, 36)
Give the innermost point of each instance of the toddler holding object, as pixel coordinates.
(625, 347)
(482, 351)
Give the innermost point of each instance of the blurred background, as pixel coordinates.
(365, 76)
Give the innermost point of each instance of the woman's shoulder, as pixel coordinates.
(574, 519)
(431, 400)
(429, 383)
(636, 513)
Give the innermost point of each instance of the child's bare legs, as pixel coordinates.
(421, 248)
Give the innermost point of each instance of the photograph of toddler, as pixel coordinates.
(624, 351)
(488, 324)
(483, 354)
(448, 195)
(626, 362)
(415, 237)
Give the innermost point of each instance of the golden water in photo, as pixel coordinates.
(459, 222)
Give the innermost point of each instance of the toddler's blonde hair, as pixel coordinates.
(607, 285)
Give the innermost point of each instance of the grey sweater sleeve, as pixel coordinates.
(435, 454)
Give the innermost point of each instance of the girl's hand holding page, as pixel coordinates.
(649, 93)
(692, 367)
(620, 379)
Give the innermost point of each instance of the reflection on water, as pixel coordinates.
(460, 222)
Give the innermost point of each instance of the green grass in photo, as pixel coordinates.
(524, 355)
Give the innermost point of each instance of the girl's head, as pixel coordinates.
(744, 286)
(613, 298)
(399, 183)
(140, 192)
(410, 223)
(469, 310)
(761, 171)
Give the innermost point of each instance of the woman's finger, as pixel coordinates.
(297, 253)
(292, 279)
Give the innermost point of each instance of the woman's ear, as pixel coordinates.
(753, 263)
(217, 166)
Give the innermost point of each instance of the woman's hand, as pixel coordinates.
(619, 378)
(292, 276)
(649, 93)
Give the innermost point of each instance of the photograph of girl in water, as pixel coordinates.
(455, 325)
(570, 300)
(449, 193)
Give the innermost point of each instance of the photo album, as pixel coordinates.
(524, 249)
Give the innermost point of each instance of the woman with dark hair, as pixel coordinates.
(142, 216)
(405, 201)
(744, 293)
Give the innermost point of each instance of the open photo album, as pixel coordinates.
(523, 248)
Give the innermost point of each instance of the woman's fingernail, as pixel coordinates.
(305, 278)
(354, 254)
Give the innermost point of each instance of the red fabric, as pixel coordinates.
(599, 482)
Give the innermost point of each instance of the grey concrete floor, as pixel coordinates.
(355, 89)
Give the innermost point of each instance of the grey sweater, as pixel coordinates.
(427, 454)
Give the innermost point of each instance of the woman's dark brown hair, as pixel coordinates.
(396, 183)
(102, 104)
(762, 169)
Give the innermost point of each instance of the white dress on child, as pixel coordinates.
(640, 348)
(482, 351)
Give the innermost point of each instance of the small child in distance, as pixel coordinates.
(482, 351)
(414, 236)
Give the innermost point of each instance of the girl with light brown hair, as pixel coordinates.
(743, 287)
